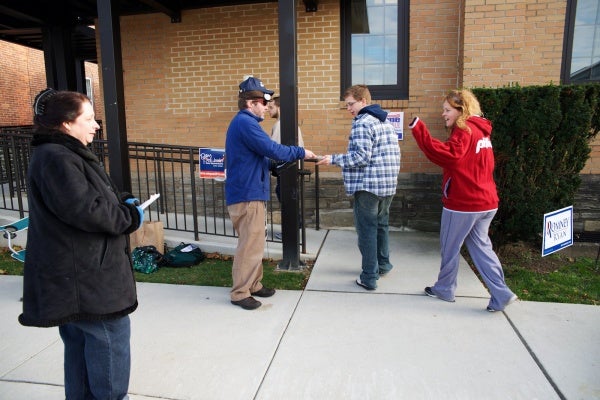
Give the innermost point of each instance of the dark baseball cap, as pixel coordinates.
(254, 84)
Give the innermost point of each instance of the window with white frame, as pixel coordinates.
(375, 46)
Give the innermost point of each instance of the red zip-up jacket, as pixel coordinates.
(467, 159)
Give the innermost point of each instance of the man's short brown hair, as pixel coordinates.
(359, 92)
(245, 96)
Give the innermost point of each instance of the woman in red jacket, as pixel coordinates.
(468, 194)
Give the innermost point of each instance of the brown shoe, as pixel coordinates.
(249, 303)
(264, 292)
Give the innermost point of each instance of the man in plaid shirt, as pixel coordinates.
(370, 171)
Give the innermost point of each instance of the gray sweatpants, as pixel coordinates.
(472, 230)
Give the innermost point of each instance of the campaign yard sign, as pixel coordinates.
(212, 163)
(558, 230)
(396, 118)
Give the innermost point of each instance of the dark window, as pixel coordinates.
(375, 46)
(581, 50)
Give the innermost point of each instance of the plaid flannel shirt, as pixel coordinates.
(372, 162)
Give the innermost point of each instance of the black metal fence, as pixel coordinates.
(14, 159)
(186, 203)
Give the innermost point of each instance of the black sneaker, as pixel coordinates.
(359, 283)
(512, 300)
(264, 292)
(429, 292)
(249, 303)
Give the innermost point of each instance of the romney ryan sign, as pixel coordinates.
(558, 230)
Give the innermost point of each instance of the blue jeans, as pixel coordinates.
(371, 218)
(97, 359)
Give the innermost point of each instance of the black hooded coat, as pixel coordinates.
(78, 264)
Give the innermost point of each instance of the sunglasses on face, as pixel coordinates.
(261, 101)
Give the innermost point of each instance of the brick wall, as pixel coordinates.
(181, 79)
(593, 164)
(23, 76)
(507, 42)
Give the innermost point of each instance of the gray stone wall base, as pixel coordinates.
(417, 204)
(586, 210)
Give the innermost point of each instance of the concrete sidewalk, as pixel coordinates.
(334, 340)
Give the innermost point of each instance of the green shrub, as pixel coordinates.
(541, 141)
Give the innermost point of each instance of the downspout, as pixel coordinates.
(460, 56)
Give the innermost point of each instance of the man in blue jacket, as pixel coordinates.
(248, 154)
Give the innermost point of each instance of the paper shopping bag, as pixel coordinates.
(150, 234)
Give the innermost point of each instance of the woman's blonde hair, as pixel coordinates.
(465, 101)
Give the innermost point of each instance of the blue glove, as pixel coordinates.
(135, 202)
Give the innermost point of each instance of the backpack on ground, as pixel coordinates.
(184, 255)
(146, 259)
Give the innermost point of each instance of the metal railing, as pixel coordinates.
(187, 202)
(15, 150)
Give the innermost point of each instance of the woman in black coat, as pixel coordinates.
(78, 273)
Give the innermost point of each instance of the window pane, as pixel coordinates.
(374, 74)
(391, 50)
(375, 46)
(391, 20)
(375, 41)
(596, 70)
(374, 49)
(578, 65)
(376, 20)
(586, 41)
(390, 73)
(596, 49)
(358, 53)
(587, 11)
(358, 74)
(583, 41)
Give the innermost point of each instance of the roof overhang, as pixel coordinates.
(23, 22)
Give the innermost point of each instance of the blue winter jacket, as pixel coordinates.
(248, 150)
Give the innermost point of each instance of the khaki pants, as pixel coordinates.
(248, 220)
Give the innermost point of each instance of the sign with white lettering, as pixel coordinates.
(397, 119)
(212, 163)
(558, 230)
(483, 143)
